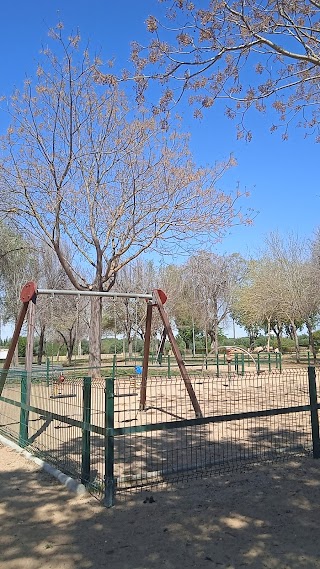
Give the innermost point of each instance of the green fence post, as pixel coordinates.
(314, 411)
(308, 358)
(280, 362)
(269, 361)
(217, 365)
(48, 371)
(169, 368)
(86, 421)
(114, 365)
(23, 430)
(109, 443)
(242, 363)
(236, 363)
(258, 362)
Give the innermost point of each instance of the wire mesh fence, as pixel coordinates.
(96, 430)
(241, 422)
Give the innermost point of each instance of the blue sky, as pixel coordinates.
(281, 176)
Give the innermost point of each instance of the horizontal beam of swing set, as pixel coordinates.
(158, 298)
(74, 292)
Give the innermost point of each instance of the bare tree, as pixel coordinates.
(57, 315)
(281, 290)
(207, 284)
(242, 52)
(69, 323)
(298, 289)
(127, 315)
(90, 176)
(256, 303)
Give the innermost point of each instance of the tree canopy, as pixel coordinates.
(81, 169)
(88, 174)
(243, 52)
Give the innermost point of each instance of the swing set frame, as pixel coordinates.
(157, 299)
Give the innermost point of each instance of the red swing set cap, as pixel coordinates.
(28, 292)
(162, 295)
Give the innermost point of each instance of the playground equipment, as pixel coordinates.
(231, 350)
(231, 358)
(157, 299)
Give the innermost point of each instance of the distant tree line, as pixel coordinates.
(274, 297)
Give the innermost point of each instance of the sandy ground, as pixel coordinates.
(265, 517)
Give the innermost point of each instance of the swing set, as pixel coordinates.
(157, 299)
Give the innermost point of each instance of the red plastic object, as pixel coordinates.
(61, 378)
(28, 292)
(163, 296)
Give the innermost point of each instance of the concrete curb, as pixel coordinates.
(70, 483)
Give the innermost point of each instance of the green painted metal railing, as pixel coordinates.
(89, 423)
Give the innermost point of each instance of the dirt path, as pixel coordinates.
(266, 517)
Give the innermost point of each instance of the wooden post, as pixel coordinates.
(177, 353)
(29, 349)
(145, 364)
(12, 347)
(28, 292)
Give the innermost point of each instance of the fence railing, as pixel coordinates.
(166, 364)
(94, 430)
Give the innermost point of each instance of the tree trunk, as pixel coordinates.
(269, 330)
(41, 345)
(252, 337)
(279, 343)
(95, 336)
(296, 341)
(187, 342)
(216, 335)
(206, 341)
(278, 333)
(69, 341)
(311, 340)
(193, 340)
(214, 331)
(70, 346)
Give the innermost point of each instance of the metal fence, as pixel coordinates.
(94, 430)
